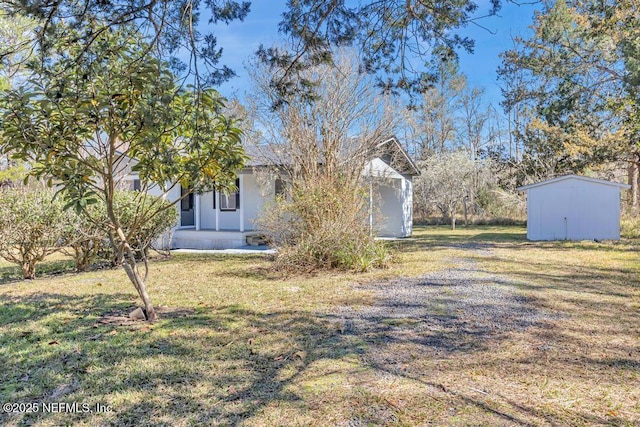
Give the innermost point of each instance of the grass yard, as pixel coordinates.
(472, 327)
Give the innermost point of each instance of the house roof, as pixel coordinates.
(578, 177)
(398, 158)
(379, 169)
(389, 150)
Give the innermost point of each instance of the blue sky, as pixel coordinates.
(241, 39)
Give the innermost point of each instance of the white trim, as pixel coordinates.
(217, 209)
(378, 168)
(404, 153)
(370, 206)
(196, 210)
(581, 178)
(241, 208)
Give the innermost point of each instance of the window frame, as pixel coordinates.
(186, 203)
(227, 197)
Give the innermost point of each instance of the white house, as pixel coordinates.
(222, 221)
(573, 207)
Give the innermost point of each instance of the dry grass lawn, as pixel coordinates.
(238, 344)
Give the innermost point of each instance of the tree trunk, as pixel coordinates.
(634, 173)
(453, 220)
(131, 268)
(28, 269)
(464, 208)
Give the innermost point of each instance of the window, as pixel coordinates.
(281, 187)
(231, 201)
(214, 199)
(136, 184)
(187, 202)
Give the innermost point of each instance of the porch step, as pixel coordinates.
(256, 240)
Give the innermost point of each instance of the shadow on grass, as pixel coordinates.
(13, 273)
(56, 349)
(572, 278)
(511, 237)
(224, 365)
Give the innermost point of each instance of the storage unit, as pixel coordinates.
(573, 207)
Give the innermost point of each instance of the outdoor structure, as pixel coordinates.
(573, 207)
(224, 221)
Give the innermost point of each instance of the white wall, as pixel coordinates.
(407, 207)
(573, 209)
(207, 212)
(253, 200)
(393, 200)
(252, 203)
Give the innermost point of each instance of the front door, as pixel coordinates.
(187, 217)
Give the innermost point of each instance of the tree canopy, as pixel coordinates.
(86, 123)
(395, 38)
(576, 78)
(169, 28)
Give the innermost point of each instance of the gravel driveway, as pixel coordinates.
(449, 311)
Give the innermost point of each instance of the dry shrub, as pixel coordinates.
(500, 221)
(505, 207)
(630, 225)
(323, 224)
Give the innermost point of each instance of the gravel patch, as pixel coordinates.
(461, 309)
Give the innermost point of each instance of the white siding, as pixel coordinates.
(253, 200)
(394, 203)
(407, 207)
(573, 209)
(207, 212)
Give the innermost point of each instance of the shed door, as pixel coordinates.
(554, 213)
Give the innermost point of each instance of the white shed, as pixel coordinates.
(573, 207)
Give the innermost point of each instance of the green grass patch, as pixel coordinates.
(53, 265)
(239, 344)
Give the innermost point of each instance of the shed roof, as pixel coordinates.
(578, 177)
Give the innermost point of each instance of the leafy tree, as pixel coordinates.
(127, 204)
(86, 123)
(11, 172)
(87, 242)
(395, 38)
(86, 238)
(16, 34)
(577, 78)
(32, 226)
(171, 29)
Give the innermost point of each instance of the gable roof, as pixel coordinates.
(572, 176)
(397, 157)
(389, 151)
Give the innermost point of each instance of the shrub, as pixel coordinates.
(33, 225)
(323, 225)
(630, 226)
(87, 239)
(132, 207)
(500, 221)
(503, 205)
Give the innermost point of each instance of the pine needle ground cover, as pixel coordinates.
(472, 327)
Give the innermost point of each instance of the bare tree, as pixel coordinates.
(332, 136)
(322, 147)
(434, 123)
(445, 183)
